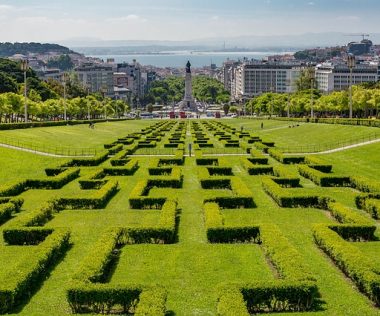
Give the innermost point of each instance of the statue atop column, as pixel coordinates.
(188, 103)
(188, 67)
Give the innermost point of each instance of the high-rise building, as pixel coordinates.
(252, 78)
(96, 78)
(336, 77)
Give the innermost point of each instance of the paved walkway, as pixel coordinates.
(41, 153)
(338, 149)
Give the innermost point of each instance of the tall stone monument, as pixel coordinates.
(188, 103)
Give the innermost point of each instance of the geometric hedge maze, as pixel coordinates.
(293, 287)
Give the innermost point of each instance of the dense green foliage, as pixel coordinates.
(9, 49)
(366, 101)
(172, 89)
(63, 62)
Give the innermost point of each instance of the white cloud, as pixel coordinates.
(128, 18)
(215, 18)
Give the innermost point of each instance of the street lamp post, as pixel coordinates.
(24, 68)
(64, 96)
(312, 80)
(103, 92)
(351, 62)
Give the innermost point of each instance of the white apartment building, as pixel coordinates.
(336, 77)
(255, 77)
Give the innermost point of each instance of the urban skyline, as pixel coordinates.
(42, 20)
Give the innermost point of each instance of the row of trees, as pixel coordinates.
(45, 100)
(89, 107)
(365, 101)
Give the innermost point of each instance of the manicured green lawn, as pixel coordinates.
(77, 136)
(191, 269)
(307, 136)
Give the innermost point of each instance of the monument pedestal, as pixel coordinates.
(188, 103)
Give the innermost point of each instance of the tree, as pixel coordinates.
(226, 108)
(7, 83)
(149, 108)
(305, 79)
(63, 62)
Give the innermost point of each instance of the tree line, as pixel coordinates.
(365, 102)
(45, 100)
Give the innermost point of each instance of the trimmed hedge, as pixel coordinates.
(254, 169)
(279, 156)
(164, 233)
(218, 233)
(287, 260)
(365, 184)
(318, 164)
(323, 179)
(98, 200)
(357, 266)
(85, 294)
(372, 207)
(343, 121)
(127, 170)
(9, 206)
(287, 198)
(88, 162)
(21, 282)
(9, 126)
(345, 215)
(138, 198)
(26, 235)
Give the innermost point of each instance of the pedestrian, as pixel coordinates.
(262, 125)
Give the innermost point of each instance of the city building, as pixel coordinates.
(336, 77)
(252, 78)
(227, 75)
(96, 78)
(362, 48)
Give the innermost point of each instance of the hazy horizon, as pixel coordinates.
(179, 20)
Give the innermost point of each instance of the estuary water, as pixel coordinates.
(179, 59)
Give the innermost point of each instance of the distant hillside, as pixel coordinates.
(9, 49)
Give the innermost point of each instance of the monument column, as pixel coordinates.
(188, 102)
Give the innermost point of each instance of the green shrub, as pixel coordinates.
(318, 164)
(279, 156)
(286, 198)
(323, 179)
(345, 215)
(287, 260)
(231, 302)
(19, 283)
(361, 199)
(127, 170)
(365, 184)
(26, 235)
(372, 206)
(6, 211)
(358, 267)
(98, 200)
(88, 162)
(280, 296)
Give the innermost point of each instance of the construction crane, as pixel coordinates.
(362, 35)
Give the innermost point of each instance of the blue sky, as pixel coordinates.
(48, 20)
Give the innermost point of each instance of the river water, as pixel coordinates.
(179, 59)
